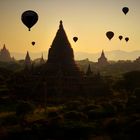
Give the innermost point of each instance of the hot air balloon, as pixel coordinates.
(75, 39)
(33, 43)
(120, 37)
(125, 10)
(29, 18)
(109, 35)
(127, 39)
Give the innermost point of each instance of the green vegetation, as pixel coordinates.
(106, 107)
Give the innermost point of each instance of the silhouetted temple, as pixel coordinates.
(27, 60)
(42, 61)
(89, 72)
(61, 55)
(61, 71)
(5, 55)
(138, 59)
(102, 60)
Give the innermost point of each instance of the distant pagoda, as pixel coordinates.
(89, 72)
(42, 61)
(27, 62)
(137, 60)
(102, 61)
(5, 55)
(61, 55)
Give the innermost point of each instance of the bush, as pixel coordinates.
(74, 105)
(91, 107)
(94, 115)
(75, 116)
(109, 110)
(9, 120)
(113, 125)
(24, 108)
(137, 93)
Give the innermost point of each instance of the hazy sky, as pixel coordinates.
(87, 19)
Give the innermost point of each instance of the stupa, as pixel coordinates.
(5, 55)
(28, 62)
(102, 61)
(61, 55)
(61, 71)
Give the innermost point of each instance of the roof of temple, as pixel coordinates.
(61, 55)
(61, 39)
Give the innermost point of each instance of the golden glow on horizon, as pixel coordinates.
(89, 20)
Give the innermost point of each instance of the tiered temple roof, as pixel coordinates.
(61, 55)
(42, 61)
(89, 72)
(138, 59)
(102, 60)
(5, 55)
(27, 60)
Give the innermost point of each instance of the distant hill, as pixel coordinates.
(111, 55)
(33, 56)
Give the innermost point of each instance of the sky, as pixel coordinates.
(89, 20)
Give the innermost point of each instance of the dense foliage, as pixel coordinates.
(106, 105)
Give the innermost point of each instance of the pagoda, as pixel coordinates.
(28, 62)
(137, 60)
(61, 72)
(42, 61)
(89, 72)
(5, 55)
(61, 55)
(102, 61)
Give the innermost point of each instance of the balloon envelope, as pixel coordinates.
(29, 18)
(109, 35)
(120, 37)
(127, 39)
(125, 10)
(75, 39)
(33, 43)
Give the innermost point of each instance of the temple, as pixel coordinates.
(61, 55)
(5, 55)
(42, 61)
(61, 72)
(89, 72)
(102, 61)
(28, 62)
(137, 60)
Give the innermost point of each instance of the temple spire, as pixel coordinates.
(102, 55)
(61, 54)
(89, 72)
(4, 47)
(61, 50)
(61, 24)
(5, 54)
(42, 61)
(27, 60)
(102, 61)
